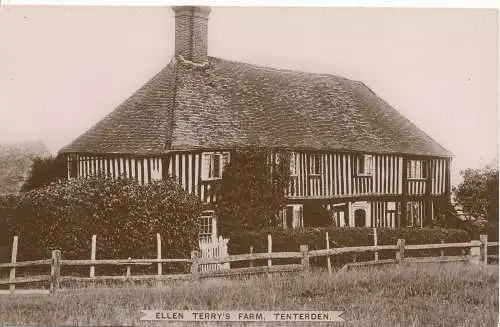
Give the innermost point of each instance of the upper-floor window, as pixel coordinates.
(416, 169)
(212, 164)
(365, 165)
(315, 165)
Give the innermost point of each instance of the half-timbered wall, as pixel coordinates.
(314, 175)
(339, 176)
(187, 169)
(144, 170)
(384, 214)
(439, 171)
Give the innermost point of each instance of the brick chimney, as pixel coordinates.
(191, 32)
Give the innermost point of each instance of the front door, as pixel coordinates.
(360, 218)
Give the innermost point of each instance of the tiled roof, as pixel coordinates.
(139, 125)
(230, 104)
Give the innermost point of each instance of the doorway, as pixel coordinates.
(359, 218)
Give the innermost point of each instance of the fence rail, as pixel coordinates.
(119, 262)
(478, 254)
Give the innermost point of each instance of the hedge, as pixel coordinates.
(290, 241)
(124, 215)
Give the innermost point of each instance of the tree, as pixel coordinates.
(478, 193)
(45, 171)
(252, 190)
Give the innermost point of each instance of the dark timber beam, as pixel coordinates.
(404, 198)
(428, 199)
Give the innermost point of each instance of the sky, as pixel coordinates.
(62, 69)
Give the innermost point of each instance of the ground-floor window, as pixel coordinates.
(414, 213)
(339, 215)
(207, 226)
(293, 216)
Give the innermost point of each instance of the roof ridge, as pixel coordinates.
(281, 70)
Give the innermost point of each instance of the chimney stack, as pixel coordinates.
(191, 32)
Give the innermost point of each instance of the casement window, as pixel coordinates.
(365, 165)
(206, 226)
(416, 169)
(213, 164)
(414, 213)
(338, 214)
(315, 166)
(391, 215)
(293, 216)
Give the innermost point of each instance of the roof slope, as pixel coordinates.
(139, 125)
(229, 104)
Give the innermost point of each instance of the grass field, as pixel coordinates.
(418, 295)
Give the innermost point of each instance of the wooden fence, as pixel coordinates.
(478, 254)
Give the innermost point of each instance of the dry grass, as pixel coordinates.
(423, 295)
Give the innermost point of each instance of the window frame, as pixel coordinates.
(362, 160)
(208, 175)
(316, 165)
(208, 235)
(416, 170)
(412, 220)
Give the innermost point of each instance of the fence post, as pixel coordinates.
(158, 250)
(55, 271)
(375, 242)
(129, 272)
(251, 252)
(328, 260)
(400, 254)
(13, 260)
(442, 250)
(484, 249)
(305, 257)
(92, 255)
(194, 264)
(475, 252)
(269, 249)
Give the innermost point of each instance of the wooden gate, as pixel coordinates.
(216, 248)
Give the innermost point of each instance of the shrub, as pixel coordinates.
(290, 241)
(124, 215)
(251, 190)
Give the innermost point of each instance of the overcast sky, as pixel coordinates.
(62, 69)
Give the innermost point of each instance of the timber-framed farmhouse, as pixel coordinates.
(356, 161)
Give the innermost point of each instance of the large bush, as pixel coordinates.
(252, 190)
(124, 215)
(290, 240)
